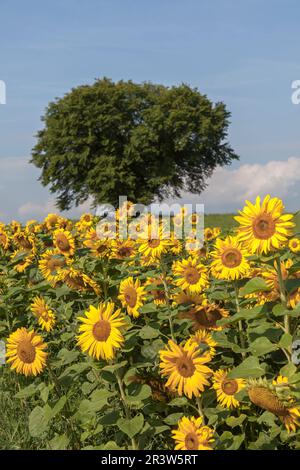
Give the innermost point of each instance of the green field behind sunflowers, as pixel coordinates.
(135, 344)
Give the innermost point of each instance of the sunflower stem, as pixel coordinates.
(70, 426)
(283, 298)
(168, 298)
(240, 323)
(200, 409)
(126, 409)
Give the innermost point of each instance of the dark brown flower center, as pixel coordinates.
(191, 275)
(62, 242)
(26, 351)
(54, 263)
(124, 252)
(205, 318)
(158, 294)
(130, 296)
(153, 243)
(101, 330)
(185, 366)
(191, 441)
(263, 226)
(229, 387)
(231, 258)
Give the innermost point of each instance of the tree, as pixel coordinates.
(140, 140)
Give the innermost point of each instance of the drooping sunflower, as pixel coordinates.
(25, 352)
(25, 242)
(101, 331)
(64, 242)
(205, 316)
(205, 342)
(76, 280)
(275, 399)
(132, 295)
(52, 264)
(294, 298)
(24, 260)
(227, 388)
(270, 275)
(43, 312)
(193, 435)
(185, 368)
(229, 259)
(191, 275)
(263, 226)
(294, 245)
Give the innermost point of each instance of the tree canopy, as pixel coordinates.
(140, 140)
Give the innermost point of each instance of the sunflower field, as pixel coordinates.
(151, 343)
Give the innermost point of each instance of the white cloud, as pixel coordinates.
(23, 197)
(38, 211)
(228, 188)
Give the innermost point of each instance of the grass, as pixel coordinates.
(225, 221)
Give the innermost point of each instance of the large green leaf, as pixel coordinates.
(250, 367)
(131, 427)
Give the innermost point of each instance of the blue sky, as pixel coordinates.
(245, 53)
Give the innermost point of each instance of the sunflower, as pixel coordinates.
(155, 287)
(229, 259)
(270, 275)
(52, 264)
(205, 342)
(205, 316)
(85, 222)
(153, 246)
(25, 352)
(4, 239)
(227, 388)
(123, 249)
(211, 233)
(275, 399)
(24, 260)
(90, 238)
(294, 298)
(51, 221)
(187, 297)
(263, 226)
(101, 331)
(25, 242)
(191, 274)
(43, 312)
(193, 435)
(294, 245)
(185, 368)
(76, 280)
(64, 242)
(101, 249)
(15, 226)
(132, 296)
